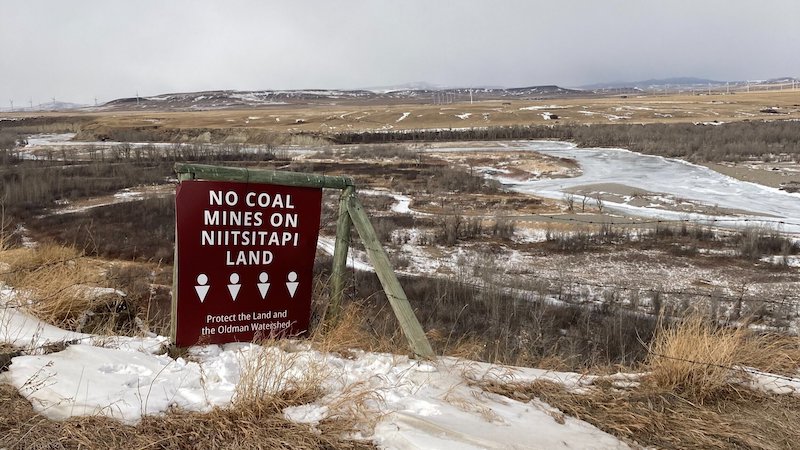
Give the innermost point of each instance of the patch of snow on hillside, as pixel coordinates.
(22, 330)
(539, 108)
(356, 259)
(403, 117)
(463, 116)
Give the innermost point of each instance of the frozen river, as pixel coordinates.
(656, 174)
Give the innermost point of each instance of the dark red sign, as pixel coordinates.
(245, 260)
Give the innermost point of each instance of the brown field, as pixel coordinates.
(239, 125)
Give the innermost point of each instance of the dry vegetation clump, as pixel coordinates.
(487, 324)
(350, 332)
(690, 394)
(30, 187)
(380, 152)
(51, 278)
(749, 244)
(700, 360)
(63, 287)
(657, 418)
(273, 376)
(246, 426)
(753, 243)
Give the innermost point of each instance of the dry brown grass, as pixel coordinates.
(699, 360)
(278, 374)
(664, 419)
(55, 279)
(271, 375)
(690, 395)
(353, 331)
(243, 427)
(355, 116)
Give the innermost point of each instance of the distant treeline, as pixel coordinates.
(28, 189)
(43, 124)
(724, 142)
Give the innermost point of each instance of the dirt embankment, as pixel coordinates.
(784, 175)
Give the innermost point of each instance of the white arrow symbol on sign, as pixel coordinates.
(292, 283)
(201, 287)
(234, 287)
(263, 286)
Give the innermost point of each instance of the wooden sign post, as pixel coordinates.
(255, 197)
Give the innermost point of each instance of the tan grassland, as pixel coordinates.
(353, 116)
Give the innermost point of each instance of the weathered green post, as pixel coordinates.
(340, 251)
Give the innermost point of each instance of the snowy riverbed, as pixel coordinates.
(680, 179)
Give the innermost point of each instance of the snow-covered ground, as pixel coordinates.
(400, 403)
(417, 404)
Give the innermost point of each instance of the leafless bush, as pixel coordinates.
(569, 200)
(488, 323)
(31, 187)
(143, 230)
(503, 228)
(455, 180)
(754, 243)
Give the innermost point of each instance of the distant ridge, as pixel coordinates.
(412, 93)
(655, 82)
(686, 84)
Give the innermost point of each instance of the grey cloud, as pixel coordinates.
(76, 51)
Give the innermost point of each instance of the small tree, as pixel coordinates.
(599, 201)
(569, 199)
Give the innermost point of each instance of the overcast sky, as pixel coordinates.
(79, 50)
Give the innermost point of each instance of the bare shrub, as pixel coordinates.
(143, 230)
(569, 200)
(455, 180)
(486, 323)
(503, 228)
(598, 201)
(754, 243)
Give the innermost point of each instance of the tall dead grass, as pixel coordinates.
(273, 377)
(353, 331)
(699, 360)
(690, 394)
(281, 374)
(58, 284)
(658, 418)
